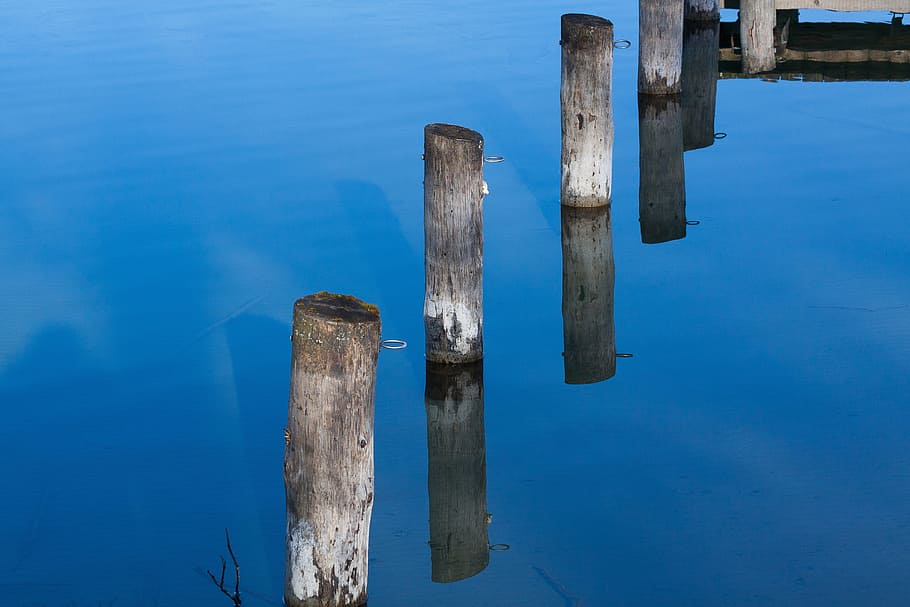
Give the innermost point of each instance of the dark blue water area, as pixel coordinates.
(175, 175)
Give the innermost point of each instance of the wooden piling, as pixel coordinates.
(756, 27)
(662, 190)
(701, 40)
(587, 110)
(589, 338)
(456, 471)
(453, 240)
(702, 10)
(660, 37)
(328, 460)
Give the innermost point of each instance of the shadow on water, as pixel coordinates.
(456, 470)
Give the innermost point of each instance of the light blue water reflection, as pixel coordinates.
(176, 174)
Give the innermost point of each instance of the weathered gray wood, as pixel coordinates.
(702, 10)
(699, 83)
(756, 33)
(457, 471)
(589, 338)
(587, 111)
(896, 6)
(660, 37)
(662, 190)
(328, 459)
(453, 239)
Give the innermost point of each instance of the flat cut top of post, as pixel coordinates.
(580, 19)
(337, 308)
(452, 131)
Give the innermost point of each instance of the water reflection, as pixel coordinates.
(823, 51)
(662, 189)
(588, 275)
(457, 471)
(699, 82)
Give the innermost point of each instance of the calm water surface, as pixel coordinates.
(175, 174)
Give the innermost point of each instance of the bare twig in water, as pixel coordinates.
(570, 600)
(235, 597)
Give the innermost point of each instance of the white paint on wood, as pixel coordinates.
(301, 544)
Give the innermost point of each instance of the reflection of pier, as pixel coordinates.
(821, 51)
(456, 470)
(662, 186)
(587, 295)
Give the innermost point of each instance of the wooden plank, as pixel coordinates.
(896, 6)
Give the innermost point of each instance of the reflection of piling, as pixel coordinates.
(702, 10)
(756, 27)
(660, 33)
(587, 295)
(453, 240)
(699, 82)
(662, 191)
(328, 463)
(457, 475)
(587, 110)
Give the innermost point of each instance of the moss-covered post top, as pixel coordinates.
(332, 307)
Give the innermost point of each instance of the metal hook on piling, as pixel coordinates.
(719, 136)
(494, 159)
(693, 222)
(622, 44)
(393, 344)
(623, 355)
(499, 547)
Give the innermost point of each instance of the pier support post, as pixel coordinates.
(702, 10)
(587, 111)
(456, 471)
(328, 459)
(589, 352)
(453, 239)
(756, 33)
(662, 190)
(701, 40)
(660, 37)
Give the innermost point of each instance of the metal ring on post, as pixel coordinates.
(393, 344)
(623, 355)
(693, 222)
(499, 547)
(493, 159)
(719, 136)
(622, 44)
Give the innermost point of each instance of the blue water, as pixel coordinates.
(175, 174)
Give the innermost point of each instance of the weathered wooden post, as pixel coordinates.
(756, 34)
(587, 111)
(457, 471)
(660, 37)
(662, 190)
(453, 239)
(589, 352)
(328, 458)
(702, 10)
(699, 82)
